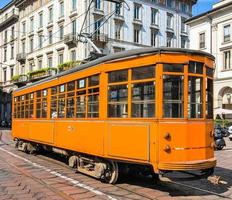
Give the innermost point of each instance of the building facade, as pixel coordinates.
(46, 32)
(212, 32)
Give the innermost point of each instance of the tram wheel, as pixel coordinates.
(111, 174)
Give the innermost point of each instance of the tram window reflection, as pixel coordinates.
(81, 106)
(143, 100)
(195, 85)
(209, 98)
(173, 68)
(173, 96)
(143, 73)
(209, 72)
(195, 67)
(118, 76)
(118, 101)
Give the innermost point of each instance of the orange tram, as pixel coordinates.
(150, 108)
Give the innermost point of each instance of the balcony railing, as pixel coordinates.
(20, 80)
(70, 39)
(100, 37)
(21, 57)
(42, 73)
(7, 18)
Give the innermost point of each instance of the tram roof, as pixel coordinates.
(122, 55)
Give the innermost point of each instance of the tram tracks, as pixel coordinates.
(165, 182)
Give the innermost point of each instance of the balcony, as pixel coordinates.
(98, 12)
(41, 74)
(9, 18)
(21, 57)
(69, 65)
(137, 22)
(119, 18)
(100, 37)
(20, 80)
(70, 39)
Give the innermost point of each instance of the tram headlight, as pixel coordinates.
(167, 149)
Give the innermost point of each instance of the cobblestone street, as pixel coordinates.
(24, 176)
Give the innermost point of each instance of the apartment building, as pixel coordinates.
(46, 32)
(212, 32)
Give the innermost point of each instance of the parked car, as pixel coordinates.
(218, 139)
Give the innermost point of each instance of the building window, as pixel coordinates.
(227, 59)
(31, 44)
(98, 4)
(170, 3)
(136, 35)
(31, 24)
(50, 61)
(31, 66)
(61, 32)
(11, 71)
(169, 21)
(118, 9)
(40, 20)
(169, 40)
(184, 7)
(50, 14)
(227, 33)
(4, 75)
(12, 52)
(183, 42)
(154, 13)
(23, 47)
(50, 38)
(202, 40)
(61, 9)
(137, 11)
(118, 28)
(74, 27)
(61, 58)
(74, 4)
(40, 63)
(97, 24)
(5, 37)
(40, 41)
(153, 38)
(22, 69)
(73, 55)
(12, 32)
(183, 26)
(5, 54)
(24, 28)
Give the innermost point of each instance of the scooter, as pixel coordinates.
(219, 140)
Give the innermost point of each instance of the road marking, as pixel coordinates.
(71, 180)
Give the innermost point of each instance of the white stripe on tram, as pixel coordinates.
(71, 180)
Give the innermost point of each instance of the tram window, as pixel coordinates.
(61, 106)
(143, 73)
(22, 107)
(54, 90)
(173, 68)
(143, 100)
(117, 101)
(173, 88)
(81, 83)
(209, 98)
(31, 105)
(93, 105)
(93, 80)
(80, 106)
(195, 85)
(62, 88)
(53, 109)
(118, 76)
(27, 106)
(71, 86)
(195, 67)
(38, 94)
(209, 72)
(41, 104)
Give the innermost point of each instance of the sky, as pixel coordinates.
(200, 7)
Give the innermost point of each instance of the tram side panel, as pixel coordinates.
(80, 136)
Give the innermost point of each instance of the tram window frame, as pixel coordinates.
(54, 102)
(42, 104)
(173, 102)
(70, 100)
(195, 67)
(139, 103)
(209, 98)
(22, 105)
(193, 105)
